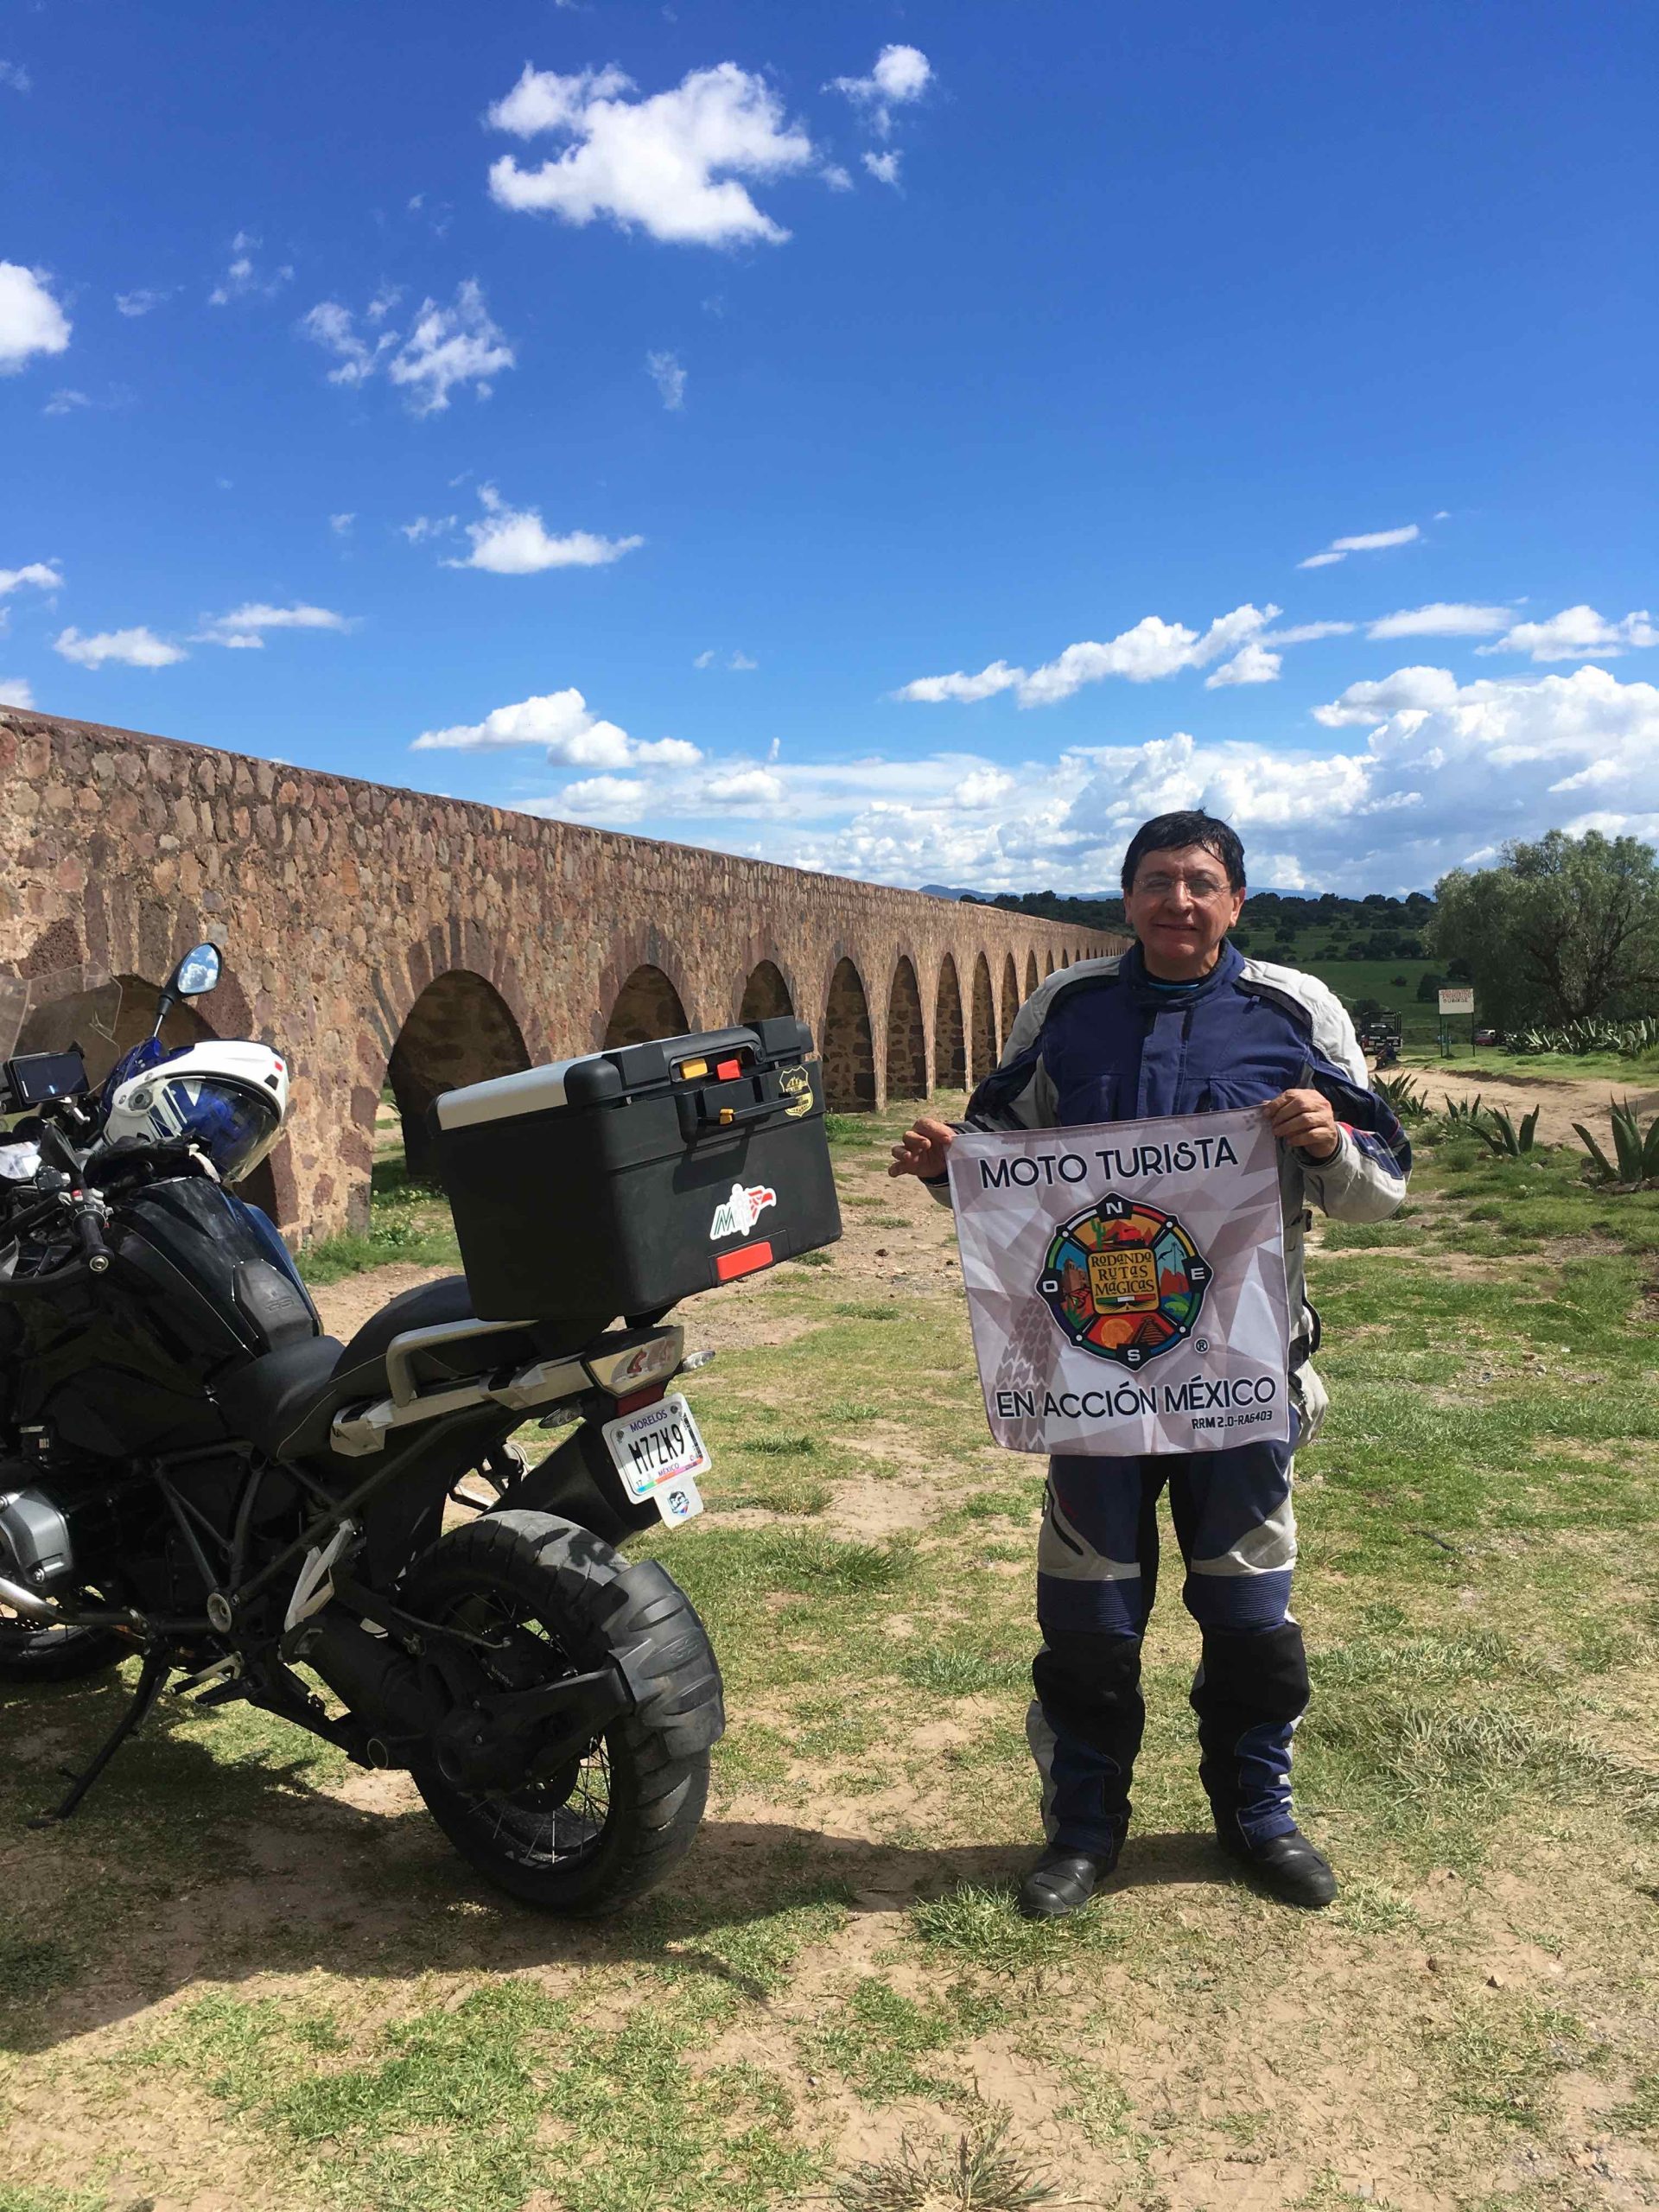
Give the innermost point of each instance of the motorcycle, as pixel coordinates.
(343, 1536)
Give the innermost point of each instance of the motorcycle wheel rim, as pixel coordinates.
(560, 1823)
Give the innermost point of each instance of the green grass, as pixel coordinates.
(245, 1951)
(408, 1221)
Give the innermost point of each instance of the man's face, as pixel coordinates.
(1181, 905)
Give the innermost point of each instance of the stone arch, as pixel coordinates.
(459, 1030)
(1065, 959)
(849, 1044)
(981, 1035)
(1010, 995)
(647, 1006)
(765, 994)
(949, 1045)
(1031, 973)
(1048, 968)
(906, 1034)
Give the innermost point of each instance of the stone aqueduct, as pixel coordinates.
(386, 938)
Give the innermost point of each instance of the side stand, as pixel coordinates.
(156, 1668)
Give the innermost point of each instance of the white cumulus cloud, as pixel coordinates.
(935, 691)
(1370, 541)
(244, 627)
(746, 787)
(514, 541)
(901, 75)
(31, 322)
(1153, 648)
(1575, 633)
(1255, 665)
(443, 347)
(571, 736)
(1408, 690)
(136, 648)
(608, 799)
(1443, 774)
(45, 575)
(884, 167)
(1442, 619)
(669, 163)
(144, 301)
(15, 691)
(341, 525)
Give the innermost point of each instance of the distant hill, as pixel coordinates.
(1306, 928)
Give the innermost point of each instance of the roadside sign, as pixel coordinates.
(1460, 998)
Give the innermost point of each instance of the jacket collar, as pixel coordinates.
(1229, 965)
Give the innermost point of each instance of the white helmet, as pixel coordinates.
(227, 1097)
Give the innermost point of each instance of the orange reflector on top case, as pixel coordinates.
(726, 1069)
(689, 1068)
(744, 1261)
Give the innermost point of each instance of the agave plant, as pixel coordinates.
(1497, 1130)
(1405, 1095)
(1463, 1113)
(1627, 1040)
(1636, 1152)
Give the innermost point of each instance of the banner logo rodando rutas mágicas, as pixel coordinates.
(1126, 1283)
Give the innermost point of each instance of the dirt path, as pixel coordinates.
(1561, 1100)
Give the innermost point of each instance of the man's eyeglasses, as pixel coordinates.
(1198, 886)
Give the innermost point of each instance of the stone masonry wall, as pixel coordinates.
(339, 903)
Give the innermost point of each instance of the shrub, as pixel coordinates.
(1636, 1152)
(1625, 1041)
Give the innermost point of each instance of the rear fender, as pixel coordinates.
(579, 1482)
(405, 1514)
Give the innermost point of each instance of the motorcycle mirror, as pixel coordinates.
(195, 975)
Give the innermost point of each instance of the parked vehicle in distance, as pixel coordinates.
(1489, 1037)
(192, 1474)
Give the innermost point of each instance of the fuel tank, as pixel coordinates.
(121, 1366)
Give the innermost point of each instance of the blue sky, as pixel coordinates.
(912, 441)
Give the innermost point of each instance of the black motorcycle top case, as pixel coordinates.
(629, 1180)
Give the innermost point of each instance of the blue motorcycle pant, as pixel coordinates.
(1096, 1576)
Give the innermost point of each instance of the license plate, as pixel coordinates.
(659, 1454)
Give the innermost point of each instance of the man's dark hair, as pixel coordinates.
(1168, 833)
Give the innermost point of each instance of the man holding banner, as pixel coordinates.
(1131, 1186)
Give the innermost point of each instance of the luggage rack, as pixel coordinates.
(617, 1362)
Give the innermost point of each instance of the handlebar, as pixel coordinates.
(89, 1235)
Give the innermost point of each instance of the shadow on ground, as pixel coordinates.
(186, 1867)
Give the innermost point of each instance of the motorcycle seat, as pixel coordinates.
(266, 1401)
(286, 1402)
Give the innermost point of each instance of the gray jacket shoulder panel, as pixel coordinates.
(1028, 1022)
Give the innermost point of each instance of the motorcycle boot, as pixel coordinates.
(1062, 1882)
(1250, 1690)
(1084, 1730)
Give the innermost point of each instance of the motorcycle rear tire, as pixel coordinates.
(562, 1577)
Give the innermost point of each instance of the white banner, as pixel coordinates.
(1126, 1283)
(1459, 999)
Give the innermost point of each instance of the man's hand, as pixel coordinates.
(1304, 1119)
(922, 1148)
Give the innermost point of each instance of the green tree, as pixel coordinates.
(1561, 929)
